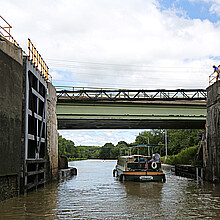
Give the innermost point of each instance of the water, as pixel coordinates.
(95, 194)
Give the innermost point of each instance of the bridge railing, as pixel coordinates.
(85, 94)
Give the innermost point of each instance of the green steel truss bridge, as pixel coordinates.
(130, 109)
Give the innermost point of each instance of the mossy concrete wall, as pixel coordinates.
(212, 152)
(11, 96)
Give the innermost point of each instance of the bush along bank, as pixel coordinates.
(186, 157)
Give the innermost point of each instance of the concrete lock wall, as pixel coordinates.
(11, 85)
(52, 135)
(12, 123)
(211, 154)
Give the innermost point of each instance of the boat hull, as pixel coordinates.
(141, 176)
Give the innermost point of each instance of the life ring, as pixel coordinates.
(154, 165)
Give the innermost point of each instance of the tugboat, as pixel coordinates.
(139, 168)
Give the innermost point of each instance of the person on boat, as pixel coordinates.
(153, 158)
(157, 157)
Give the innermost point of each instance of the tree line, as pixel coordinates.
(178, 140)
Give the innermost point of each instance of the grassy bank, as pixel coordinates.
(186, 156)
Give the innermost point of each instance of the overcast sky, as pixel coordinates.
(147, 44)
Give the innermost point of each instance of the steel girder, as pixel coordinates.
(130, 95)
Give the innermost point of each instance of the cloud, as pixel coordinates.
(117, 44)
(134, 33)
(99, 137)
(215, 8)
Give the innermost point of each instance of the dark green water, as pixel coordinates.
(95, 194)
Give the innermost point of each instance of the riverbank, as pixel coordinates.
(76, 159)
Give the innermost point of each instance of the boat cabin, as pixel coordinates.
(137, 163)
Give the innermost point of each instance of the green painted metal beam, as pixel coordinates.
(129, 115)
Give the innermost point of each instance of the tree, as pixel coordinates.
(109, 151)
(181, 139)
(154, 136)
(65, 147)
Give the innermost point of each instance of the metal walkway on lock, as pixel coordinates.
(131, 109)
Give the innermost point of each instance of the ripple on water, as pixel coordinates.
(95, 194)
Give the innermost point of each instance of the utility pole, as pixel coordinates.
(148, 147)
(166, 144)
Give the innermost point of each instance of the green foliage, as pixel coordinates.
(122, 144)
(154, 136)
(178, 139)
(109, 151)
(181, 139)
(186, 156)
(68, 149)
(65, 147)
(184, 141)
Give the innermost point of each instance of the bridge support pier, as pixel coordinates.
(211, 151)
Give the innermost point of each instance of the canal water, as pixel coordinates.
(95, 194)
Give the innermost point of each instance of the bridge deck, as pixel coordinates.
(130, 115)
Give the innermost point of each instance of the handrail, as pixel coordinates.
(73, 88)
(37, 60)
(130, 95)
(6, 33)
(212, 78)
(33, 55)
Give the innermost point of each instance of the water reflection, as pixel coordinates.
(95, 194)
(35, 205)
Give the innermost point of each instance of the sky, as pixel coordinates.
(130, 44)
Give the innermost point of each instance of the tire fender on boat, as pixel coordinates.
(154, 165)
(115, 173)
(121, 177)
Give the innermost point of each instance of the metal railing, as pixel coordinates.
(77, 88)
(212, 78)
(33, 55)
(37, 60)
(130, 95)
(5, 31)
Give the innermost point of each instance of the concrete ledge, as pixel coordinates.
(189, 171)
(11, 50)
(65, 173)
(168, 167)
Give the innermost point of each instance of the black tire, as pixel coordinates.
(114, 172)
(164, 178)
(121, 177)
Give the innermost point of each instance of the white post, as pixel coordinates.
(201, 173)
(148, 147)
(166, 143)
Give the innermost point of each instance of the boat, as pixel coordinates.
(139, 168)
